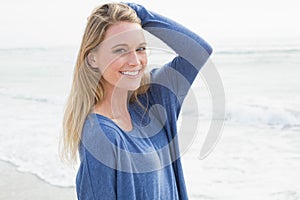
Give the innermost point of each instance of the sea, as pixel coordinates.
(256, 156)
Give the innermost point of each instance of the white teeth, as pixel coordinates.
(130, 73)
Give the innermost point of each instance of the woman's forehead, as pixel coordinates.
(125, 33)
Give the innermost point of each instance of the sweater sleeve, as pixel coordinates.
(184, 42)
(95, 180)
(193, 52)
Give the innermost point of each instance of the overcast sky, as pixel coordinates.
(32, 23)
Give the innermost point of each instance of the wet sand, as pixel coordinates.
(16, 185)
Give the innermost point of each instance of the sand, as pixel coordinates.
(16, 185)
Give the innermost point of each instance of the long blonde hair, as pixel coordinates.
(87, 86)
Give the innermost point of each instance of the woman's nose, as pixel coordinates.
(133, 58)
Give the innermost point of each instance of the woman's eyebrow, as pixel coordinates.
(120, 45)
(126, 45)
(143, 43)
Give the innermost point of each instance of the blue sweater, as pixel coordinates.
(144, 163)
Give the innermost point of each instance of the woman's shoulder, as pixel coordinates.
(98, 126)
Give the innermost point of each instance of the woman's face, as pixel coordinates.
(122, 57)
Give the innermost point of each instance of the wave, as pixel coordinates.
(261, 115)
(57, 100)
(236, 113)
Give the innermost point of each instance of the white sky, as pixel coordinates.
(61, 22)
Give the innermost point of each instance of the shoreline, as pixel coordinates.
(26, 186)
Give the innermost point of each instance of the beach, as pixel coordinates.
(27, 186)
(256, 157)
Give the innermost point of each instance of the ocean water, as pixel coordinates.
(256, 157)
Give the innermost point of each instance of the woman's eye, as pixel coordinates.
(120, 51)
(141, 49)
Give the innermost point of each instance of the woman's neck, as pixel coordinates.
(115, 101)
(115, 106)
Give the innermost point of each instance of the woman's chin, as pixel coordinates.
(129, 86)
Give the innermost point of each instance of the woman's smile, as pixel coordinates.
(131, 73)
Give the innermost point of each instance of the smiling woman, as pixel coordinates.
(122, 120)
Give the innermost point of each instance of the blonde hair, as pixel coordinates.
(87, 86)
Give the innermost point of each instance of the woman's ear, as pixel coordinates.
(91, 60)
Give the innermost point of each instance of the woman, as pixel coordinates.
(121, 119)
